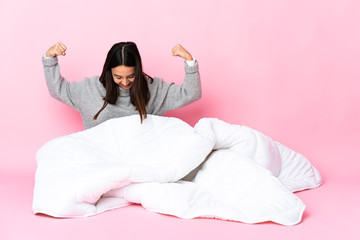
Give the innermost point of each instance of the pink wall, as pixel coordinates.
(286, 68)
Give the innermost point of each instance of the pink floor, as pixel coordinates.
(332, 212)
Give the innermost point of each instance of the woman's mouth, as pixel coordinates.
(128, 86)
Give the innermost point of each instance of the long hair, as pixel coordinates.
(127, 54)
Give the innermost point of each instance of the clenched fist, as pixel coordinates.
(179, 51)
(56, 50)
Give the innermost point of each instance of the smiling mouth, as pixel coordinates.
(125, 86)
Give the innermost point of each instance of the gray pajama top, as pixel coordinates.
(86, 96)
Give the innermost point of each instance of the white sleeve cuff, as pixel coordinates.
(191, 63)
(46, 56)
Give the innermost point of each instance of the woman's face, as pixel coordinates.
(123, 76)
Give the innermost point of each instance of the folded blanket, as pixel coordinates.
(214, 170)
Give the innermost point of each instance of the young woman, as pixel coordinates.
(123, 88)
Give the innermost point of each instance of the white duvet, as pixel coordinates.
(214, 170)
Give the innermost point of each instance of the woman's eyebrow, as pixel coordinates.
(121, 76)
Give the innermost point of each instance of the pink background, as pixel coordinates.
(287, 68)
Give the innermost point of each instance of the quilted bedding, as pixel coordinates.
(214, 170)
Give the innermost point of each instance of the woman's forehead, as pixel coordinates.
(123, 70)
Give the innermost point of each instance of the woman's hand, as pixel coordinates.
(56, 50)
(178, 50)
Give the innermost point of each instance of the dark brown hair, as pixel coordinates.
(127, 54)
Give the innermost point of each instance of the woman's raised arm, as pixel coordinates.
(58, 86)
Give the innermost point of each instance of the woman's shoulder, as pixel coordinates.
(154, 83)
(91, 84)
(92, 81)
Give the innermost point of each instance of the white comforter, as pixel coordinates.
(214, 170)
